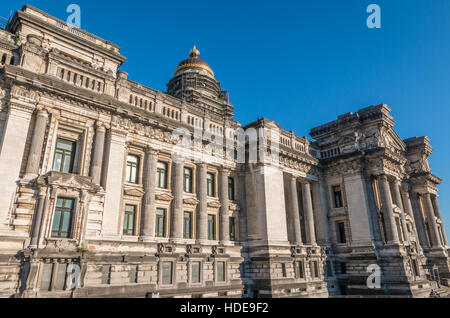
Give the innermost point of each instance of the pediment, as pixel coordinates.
(393, 140)
(214, 204)
(164, 197)
(135, 192)
(190, 201)
(73, 181)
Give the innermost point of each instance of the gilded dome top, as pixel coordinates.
(194, 62)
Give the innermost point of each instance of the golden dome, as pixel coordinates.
(194, 62)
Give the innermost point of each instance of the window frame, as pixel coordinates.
(231, 186)
(61, 219)
(338, 200)
(213, 227)
(134, 212)
(164, 222)
(211, 184)
(188, 181)
(158, 175)
(63, 153)
(190, 224)
(129, 166)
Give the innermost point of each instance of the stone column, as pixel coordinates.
(439, 215)
(97, 157)
(388, 212)
(434, 232)
(307, 203)
(294, 211)
(13, 142)
(408, 209)
(148, 211)
(177, 203)
(224, 232)
(243, 232)
(38, 218)
(37, 142)
(202, 214)
(324, 205)
(398, 200)
(419, 221)
(114, 178)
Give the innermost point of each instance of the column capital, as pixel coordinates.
(41, 111)
(151, 151)
(100, 126)
(225, 170)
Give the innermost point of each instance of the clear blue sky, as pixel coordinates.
(300, 63)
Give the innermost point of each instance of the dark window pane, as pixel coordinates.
(62, 219)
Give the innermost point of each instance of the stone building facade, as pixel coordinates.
(94, 204)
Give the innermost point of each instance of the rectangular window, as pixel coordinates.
(160, 230)
(133, 274)
(167, 273)
(341, 232)
(230, 188)
(220, 268)
(210, 185)
(195, 272)
(314, 269)
(129, 219)
(62, 220)
(337, 195)
(187, 225)
(187, 180)
(161, 175)
(299, 269)
(415, 268)
(106, 274)
(329, 269)
(343, 268)
(232, 229)
(283, 270)
(132, 174)
(211, 227)
(64, 156)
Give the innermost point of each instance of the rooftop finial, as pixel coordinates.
(194, 52)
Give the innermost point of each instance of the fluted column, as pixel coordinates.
(148, 211)
(409, 209)
(177, 203)
(97, 158)
(37, 142)
(294, 211)
(307, 203)
(439, 215)
(38, 218)
(224, 232)
(419, 220)
(202, 214)
(434, 232)
(398, 201)
(388, 212)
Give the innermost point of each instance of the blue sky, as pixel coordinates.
(300, 63)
